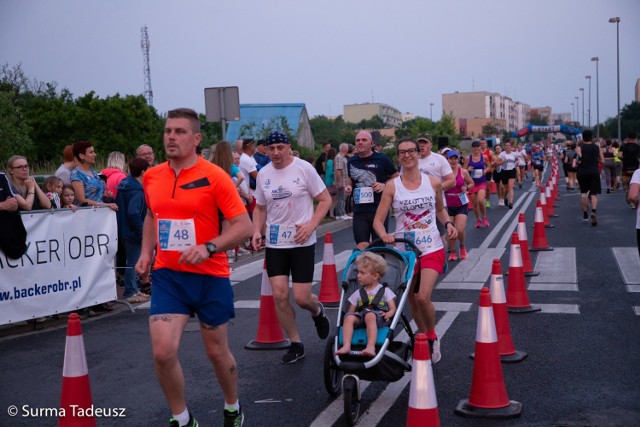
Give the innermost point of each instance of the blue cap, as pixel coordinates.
(452, 153)
(277, 137)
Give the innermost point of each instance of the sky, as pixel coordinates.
(405, 53)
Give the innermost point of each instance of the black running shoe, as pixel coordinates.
(233, 418)
(295, 353)
(594, 221)
(192, 422)
(323, 326)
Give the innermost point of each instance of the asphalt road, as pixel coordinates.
(582, 369)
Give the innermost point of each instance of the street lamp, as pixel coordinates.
(572, 111)
(582, 90)
(589, 110)
(596, 59)
(431, 111)
(577, 110)
(616, 20)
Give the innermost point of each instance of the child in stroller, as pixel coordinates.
(372, 304)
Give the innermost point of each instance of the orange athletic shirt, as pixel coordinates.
(200, 192)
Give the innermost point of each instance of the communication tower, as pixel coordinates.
(148, 92)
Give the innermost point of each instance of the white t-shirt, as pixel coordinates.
(510, 160)
(521, 158)
(247, 165)
(288, 196)
(435, 165)
(386, 297)
(635, 179)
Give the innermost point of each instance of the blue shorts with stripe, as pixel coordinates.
(210, 297)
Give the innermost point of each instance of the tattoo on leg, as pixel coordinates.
(233, 369)
(209, 327)
(162, 317)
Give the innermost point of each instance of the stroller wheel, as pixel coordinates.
(332, 375)
(351, 399)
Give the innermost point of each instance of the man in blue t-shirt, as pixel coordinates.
(368, 171)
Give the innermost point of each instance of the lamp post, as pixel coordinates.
(572, 111)
(582, 90)
(616, 21)
(596, 59)
(577, 110)
(431, 111)
(589, 110)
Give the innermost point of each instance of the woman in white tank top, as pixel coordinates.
(416, 200)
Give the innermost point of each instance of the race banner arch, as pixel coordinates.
(567, 130)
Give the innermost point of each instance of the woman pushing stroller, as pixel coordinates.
(416, 200)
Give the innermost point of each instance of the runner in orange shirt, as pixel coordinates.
(187, 198)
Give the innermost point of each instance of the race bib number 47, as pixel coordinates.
(280, 235)
(176, 234)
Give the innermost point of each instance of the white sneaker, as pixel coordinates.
(500, 202)
(243, 251)
(434, 346)
(346, 217)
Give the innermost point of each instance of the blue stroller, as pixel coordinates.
(391, 358)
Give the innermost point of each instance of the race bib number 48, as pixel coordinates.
(176, 234)
(363, 195)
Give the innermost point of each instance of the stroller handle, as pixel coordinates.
(414, 248)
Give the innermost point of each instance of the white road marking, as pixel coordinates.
(629, 264)
(559, 308)
(557, 266)
(473, 271)
(636, 309)
(633, 288)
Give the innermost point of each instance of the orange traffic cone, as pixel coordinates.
(506, 349)
(270, 335)
(524, 247)
(488, 397)
(545, 208)
(329, 291)
(550, 201)
(517, 298)
(539, 242)
(423, 405)
(76, 405)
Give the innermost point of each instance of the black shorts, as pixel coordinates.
(298, 262)
(458, 210)
(505, 176)
(363, 226)
(497, 177)
(489, 176)
(589, 184)
(538, 167)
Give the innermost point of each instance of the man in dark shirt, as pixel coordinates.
(589, 155)
(368, 172)
(630, 154)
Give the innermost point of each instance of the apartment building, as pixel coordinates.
(473, 109)
(355, 113)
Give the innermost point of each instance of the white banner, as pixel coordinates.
(69, 264)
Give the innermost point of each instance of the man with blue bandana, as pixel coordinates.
(284, 220)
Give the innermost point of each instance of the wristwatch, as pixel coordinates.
(211, 248)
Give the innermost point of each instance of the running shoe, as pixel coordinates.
(192, 422)
(485, 222)
(463, 252)
(510, 205)
(594, 221)
(585, 217)
(295, 353)
(323, 326)
(478, 224)
(487, 203)
(500, 202)
(434, 348)
(452, 256)
(233, 418)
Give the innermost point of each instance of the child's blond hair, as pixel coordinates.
(373, 262)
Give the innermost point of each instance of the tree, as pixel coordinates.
(630, 122)
(491, 129)
(537, 119)
(261, 131)
(413, 128)
(374, 122)
(14, 131)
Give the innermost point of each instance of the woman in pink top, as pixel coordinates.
(458, 203)
(115, 172)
